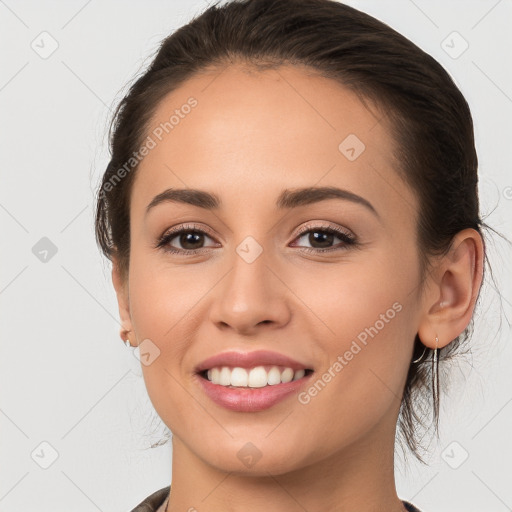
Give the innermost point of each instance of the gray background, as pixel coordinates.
(67, 381)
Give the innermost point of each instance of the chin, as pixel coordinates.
(259, 457)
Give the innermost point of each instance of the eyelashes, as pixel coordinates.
(165, 240)
(346, 237)
(190, 234)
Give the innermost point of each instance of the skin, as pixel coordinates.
(253, 134)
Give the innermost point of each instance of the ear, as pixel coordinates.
(123, 300)
(453, 290)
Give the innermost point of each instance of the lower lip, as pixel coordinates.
(251, 399)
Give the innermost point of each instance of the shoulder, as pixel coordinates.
(153, 501)
(410, 507)
(156, 500)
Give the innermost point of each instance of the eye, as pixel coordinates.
(189, 237)
(321, 238)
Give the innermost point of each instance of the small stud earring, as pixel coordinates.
(127, 340)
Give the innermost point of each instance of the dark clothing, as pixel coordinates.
(155, 500)
(152, 502)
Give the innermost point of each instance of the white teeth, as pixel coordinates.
(299, 374)
(225, 377)
(287, 375)
(274, 376)
(239, 377)
(257, 377)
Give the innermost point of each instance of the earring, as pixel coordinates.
(127, 340)
(423, 353)
(435, 377)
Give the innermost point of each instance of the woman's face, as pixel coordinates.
(265, 275)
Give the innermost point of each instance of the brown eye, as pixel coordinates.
(321, 239)
(184, 240)
(190, 239)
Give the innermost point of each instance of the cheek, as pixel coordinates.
(159, 316)
(366, 331)
(163, 297)
(167, 308)
(155, 306)
(365, 291)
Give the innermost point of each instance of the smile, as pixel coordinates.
(244, 398)
(257, 377)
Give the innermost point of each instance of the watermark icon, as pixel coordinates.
(343, 360)
(45, 45)
(249, 454)
(147, 352)
(44, 455)
(249, 249)
(507, 192)
(454, 45)
(351, 147)
(44, 250)
(454, 455)
(149, 143)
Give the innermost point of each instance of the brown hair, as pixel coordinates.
(430, 121)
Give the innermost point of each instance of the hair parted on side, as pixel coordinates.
(428, 117)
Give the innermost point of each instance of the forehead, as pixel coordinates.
(239, 132)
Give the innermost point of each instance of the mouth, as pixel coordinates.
(251, 381)
(251, 390)
(255, 377)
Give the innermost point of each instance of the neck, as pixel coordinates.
(360, 477)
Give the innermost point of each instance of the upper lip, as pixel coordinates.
(250, 360)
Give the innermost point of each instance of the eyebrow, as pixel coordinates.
(287, 199)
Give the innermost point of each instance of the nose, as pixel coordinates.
(251, 297)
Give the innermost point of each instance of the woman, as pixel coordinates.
(292, 216)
